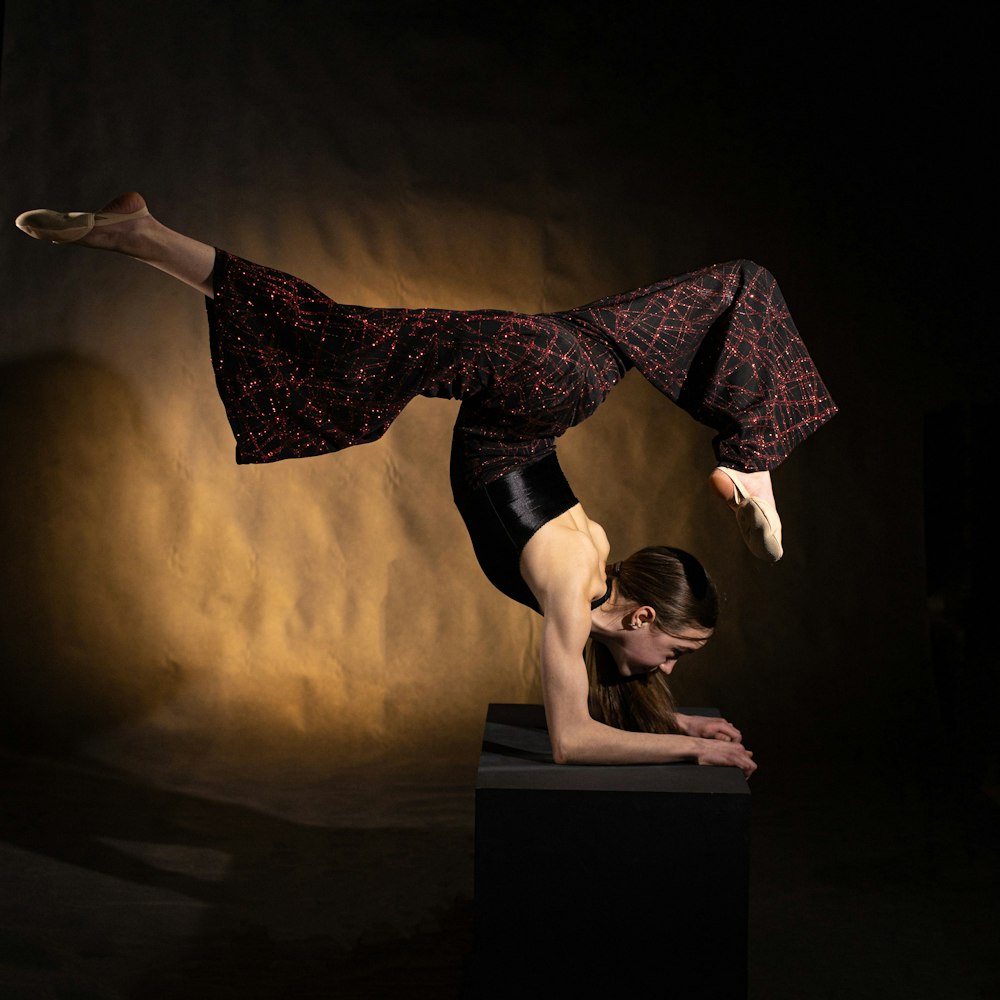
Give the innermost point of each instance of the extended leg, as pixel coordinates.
(143, 238)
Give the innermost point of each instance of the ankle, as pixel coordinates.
(137, 238)
(722, 486)
(755, 484)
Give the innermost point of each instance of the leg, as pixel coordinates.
(147, 240)
(721, 344)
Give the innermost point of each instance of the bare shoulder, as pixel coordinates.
(565, 558)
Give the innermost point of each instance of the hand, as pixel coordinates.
(723, 754)
(708, 728)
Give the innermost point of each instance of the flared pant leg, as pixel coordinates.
(721, 344)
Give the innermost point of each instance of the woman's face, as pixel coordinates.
(646, 649)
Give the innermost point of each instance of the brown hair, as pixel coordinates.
(675, 585)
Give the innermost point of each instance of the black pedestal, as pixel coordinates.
(629, 879)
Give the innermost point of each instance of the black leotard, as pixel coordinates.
(503, 515)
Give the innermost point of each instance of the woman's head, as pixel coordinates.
(663, 606)
(671, 582)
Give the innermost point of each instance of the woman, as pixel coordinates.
(302, 375)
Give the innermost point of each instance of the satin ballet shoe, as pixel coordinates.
(759, 523)
(68, 227)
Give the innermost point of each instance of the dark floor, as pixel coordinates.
(871, 887)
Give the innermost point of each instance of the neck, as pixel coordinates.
(605, 621)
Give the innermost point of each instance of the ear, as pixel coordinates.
(640, 617)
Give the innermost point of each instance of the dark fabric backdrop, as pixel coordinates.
(224, 688)
(199, 625)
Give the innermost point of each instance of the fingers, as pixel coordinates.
(731, 755)
(724, 730)
(743, 759)
(731, 731)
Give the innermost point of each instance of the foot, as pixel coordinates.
(756, 484)
(114, 227)
(125, 226)
(751, 496)
(120, 236)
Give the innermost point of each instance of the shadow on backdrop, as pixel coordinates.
(83, 471)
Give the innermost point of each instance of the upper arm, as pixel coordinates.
(560, 572)
(565, 630)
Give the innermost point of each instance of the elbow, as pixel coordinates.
(567, 748)
(573, 734)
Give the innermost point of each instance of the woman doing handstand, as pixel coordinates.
(300, 375)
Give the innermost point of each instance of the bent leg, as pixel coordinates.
(721, 344)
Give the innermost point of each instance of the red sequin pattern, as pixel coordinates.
(301, 375)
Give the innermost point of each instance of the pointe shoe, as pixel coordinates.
(758, 520)
(68, 227)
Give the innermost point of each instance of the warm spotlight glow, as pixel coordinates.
(320, 612)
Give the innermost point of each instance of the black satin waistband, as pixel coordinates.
(529, 497)
(503, 515)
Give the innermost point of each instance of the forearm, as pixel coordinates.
(583, 741)
(591, 742)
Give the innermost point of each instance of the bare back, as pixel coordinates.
(567, 557)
